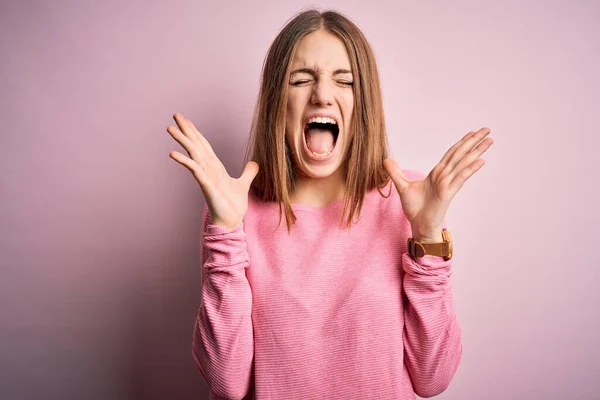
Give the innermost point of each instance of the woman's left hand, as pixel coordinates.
(425, 202)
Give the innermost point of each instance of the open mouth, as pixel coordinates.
(321, 134)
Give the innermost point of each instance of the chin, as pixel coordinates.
(317, 172)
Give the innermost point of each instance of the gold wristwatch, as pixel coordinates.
(444, 249)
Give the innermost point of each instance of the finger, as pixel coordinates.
(395, 172)
(250, 172)
(459, 180)
(184, 141)
(190, 164)
(466, 146)
(473, 155)
(452, 149)
(190, 131)
(185, 161)
(183, 126)
(209, 150)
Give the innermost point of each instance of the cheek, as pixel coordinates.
(348, 110)
(289, 119)
(290, 132)
(293, 115)
(349, 102)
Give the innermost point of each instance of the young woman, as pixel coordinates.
(321, 279)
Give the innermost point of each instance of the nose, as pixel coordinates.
(322, 94)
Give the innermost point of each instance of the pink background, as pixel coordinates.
(99, 228)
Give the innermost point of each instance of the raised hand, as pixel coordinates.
(227, 197)
(426, 201)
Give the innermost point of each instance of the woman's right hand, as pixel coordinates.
(227, 197)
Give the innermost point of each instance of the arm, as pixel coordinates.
(432, 336)
(223, 342)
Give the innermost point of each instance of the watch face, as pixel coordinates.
(446, 235)
(448, 240)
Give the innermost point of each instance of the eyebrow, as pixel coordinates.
(314, 73)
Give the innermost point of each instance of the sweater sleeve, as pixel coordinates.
(223, 342)
(432, 336)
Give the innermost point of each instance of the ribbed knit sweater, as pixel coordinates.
(324, 312)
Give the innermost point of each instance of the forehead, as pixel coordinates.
(321, 50)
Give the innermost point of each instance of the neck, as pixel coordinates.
(319, 192)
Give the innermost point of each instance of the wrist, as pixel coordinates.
(430, 237)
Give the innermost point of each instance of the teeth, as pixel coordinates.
(322, 154)
(322, 120)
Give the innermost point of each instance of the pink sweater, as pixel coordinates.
(324, 313)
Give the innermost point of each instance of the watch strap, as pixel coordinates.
(443, 249)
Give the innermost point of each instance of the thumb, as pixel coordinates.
(396, 174)
(250, 172)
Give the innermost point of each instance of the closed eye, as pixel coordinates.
(301, 82)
